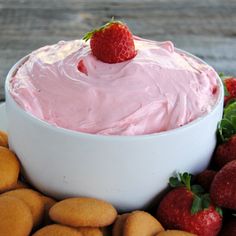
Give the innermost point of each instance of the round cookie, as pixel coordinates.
(90, 231)
(83, 212)
(48, 203)
(9, 169)
(15, 217)
(117, 229)
(3, 139)
(140, 223)
(57, 230)
(32, 199)
(175, 233)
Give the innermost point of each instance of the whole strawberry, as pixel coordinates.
(225, 152)
(187, 208)
(205, 179)
(223, 187)
(229, 87)
(112, 43)
(230, 84)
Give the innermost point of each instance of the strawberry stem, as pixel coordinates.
(182, 180)
(89, 34)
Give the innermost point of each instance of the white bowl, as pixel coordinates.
(128, 171)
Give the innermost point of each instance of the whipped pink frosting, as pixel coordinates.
(159, 89)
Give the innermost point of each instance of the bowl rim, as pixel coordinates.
(58, 129)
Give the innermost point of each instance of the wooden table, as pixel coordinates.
(206, 28)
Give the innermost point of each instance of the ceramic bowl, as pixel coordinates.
(128, 171)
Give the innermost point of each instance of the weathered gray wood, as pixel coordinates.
(206, 28)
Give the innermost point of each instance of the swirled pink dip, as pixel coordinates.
(160, 89)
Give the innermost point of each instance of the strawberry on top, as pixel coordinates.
(112, 42)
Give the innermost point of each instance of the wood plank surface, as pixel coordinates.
(206, 28)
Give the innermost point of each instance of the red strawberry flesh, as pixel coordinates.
(225, 152)
(112, 43)
(223, 187)
(205, 178)
(230, 84)
(82, 68)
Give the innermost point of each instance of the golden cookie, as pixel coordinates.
(175, 233)
(15, 217)
(141, 223)
(32, 199)
(117, 229)
(48, 203)
(9, 169)
(90, 231)
(3, 139)
(57, 230)
(83, 212)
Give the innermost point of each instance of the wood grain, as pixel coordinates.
(206, 28)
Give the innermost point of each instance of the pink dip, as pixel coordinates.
(160, 89)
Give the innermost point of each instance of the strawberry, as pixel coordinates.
(230, 84)
(223, 187)
(229, 87)
(187, 208)
(82, 68)
(225, 152)
(205, 178)
(229, 228)
(112, 43)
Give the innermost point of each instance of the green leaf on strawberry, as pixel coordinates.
(227, 126)
(89, 34)
(223, 77)
(181, 180)
(206, 201)
(196, 205)
(219, 210)
(197, 189)
(175, 182)
(201, 200)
